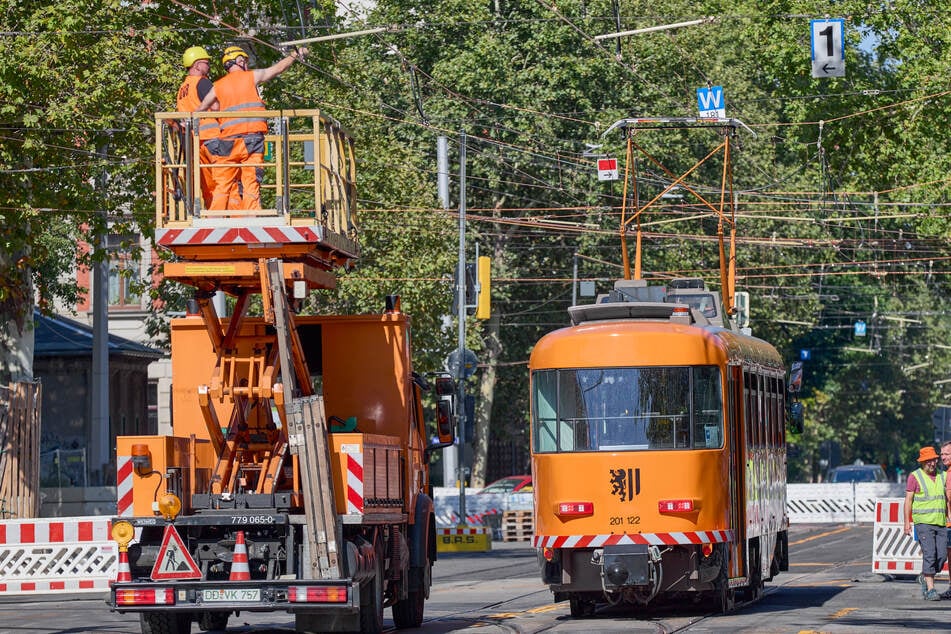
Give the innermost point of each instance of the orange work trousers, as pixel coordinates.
(208, 175)
(245, 148)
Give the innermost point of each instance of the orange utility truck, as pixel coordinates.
(296, 478)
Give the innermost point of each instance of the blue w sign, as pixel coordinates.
(710, 102)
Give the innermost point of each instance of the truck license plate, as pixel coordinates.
(230, 595)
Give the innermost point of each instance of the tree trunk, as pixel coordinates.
(16, 329)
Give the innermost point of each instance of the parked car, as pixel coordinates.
(858, 473)
(511, 484)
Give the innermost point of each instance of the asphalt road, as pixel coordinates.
(829, 588)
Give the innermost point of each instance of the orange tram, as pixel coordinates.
(658, 453)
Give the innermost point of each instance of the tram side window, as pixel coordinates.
(707, 408)
(546, 420)
(748, 404)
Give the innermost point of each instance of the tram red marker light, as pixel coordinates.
(677, 506)
(574, 509)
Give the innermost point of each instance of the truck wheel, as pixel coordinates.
(213, 621)
(165, 622)
(580, 608)
(409, 612)
(371, 597)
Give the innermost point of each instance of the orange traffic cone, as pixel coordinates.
(239, 562)
(125, 573)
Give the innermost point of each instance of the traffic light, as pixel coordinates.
(484, 299)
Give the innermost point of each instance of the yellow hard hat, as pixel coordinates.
(193, 54)
(232, 53)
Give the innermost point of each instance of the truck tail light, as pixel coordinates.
(677, 506)
(317, 594)
(574, 509)
(145, 596)
(707, 549)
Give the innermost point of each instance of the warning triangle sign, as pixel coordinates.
(173, 561)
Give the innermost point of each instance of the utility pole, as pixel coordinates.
(99, 431)
(450, 454)
(461, 314)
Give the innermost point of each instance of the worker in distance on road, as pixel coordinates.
(196, 85)
(926, 509)
(237, 91)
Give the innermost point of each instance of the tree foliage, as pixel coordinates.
(841, 184)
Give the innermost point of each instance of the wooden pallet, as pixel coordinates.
(517, 526)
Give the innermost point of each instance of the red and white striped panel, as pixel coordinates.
(235, 235)
(354, 483)
(468, 530)
(655, 539)
(55, 531)
(47, 585)
(124, 486)
(892, 550)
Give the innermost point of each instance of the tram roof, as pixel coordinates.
(608, 342)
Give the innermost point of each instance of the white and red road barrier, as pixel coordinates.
(893, 552)
(57, 555)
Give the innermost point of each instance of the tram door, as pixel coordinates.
(738, 424)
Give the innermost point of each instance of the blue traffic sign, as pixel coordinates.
(805, 355)
(710, 102)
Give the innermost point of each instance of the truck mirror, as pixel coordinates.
(445, 386)
(796, 417)
(444, 426)
(795, 378)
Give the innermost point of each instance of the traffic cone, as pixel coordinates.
(239, 561)
(125, 573)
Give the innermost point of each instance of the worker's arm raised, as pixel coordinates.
(262, 75)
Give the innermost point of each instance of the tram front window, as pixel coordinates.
(627, 409)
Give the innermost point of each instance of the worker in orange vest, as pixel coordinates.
(196, 85)
(237, 91)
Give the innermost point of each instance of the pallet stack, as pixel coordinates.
(20, 450)
(517, 526)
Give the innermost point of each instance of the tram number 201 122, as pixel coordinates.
(622, 520)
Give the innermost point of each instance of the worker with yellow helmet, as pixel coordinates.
(196, 85)
(237, 91)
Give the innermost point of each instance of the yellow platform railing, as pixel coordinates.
(309, 171)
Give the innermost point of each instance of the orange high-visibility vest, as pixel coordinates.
(237, 92)
(188, 101)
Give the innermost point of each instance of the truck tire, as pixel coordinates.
(213, 621)
(371, 597)
(409, 612)
(165, 622)
(581, 608)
